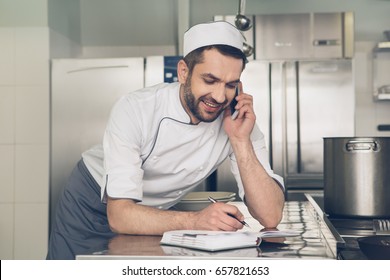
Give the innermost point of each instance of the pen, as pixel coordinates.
(242, 222)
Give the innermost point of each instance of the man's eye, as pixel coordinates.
(230, 86)
(209, 82)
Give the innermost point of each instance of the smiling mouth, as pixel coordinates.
(211, 105)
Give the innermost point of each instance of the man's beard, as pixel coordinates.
(193, 105)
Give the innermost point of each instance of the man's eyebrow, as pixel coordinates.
(210, 76)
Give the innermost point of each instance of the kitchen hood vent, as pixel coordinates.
(304, 36)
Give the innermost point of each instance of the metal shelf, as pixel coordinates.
(381, 64)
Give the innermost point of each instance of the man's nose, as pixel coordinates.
(219, 93)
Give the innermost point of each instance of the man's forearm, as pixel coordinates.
(263, 195)
(140, 219)
(127, 217)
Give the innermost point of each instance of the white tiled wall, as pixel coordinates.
(24, 142)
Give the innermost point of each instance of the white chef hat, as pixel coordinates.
(212, 33)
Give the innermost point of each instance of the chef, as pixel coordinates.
(161, 142)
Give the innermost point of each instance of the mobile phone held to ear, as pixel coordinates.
(233, 104)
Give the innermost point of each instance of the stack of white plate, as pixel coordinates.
(196, 201)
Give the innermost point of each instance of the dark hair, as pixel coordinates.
(196, 56)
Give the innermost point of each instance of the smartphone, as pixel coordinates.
(233, 104)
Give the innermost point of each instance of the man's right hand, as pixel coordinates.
(216, 217)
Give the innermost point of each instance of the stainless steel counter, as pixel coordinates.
(345, 229)
(316, 241)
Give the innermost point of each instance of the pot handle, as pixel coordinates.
(361, 145)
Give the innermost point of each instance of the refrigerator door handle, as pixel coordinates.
(299, 151)
(278, 117)
(97, 68)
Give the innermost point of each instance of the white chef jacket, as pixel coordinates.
(155, 156)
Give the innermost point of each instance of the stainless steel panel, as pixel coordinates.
(327, 102)
(284, 36)
(304, 36)
(255, 79)
(327, 35)
(292, 123)
(309, 100)
(278, 144)
(333, 35)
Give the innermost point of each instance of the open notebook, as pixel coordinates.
(219, 240)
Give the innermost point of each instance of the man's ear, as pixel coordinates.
(182, 71)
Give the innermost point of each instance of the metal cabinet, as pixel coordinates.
(282, 36)
(304, 36)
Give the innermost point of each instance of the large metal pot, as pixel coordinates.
(357, 176)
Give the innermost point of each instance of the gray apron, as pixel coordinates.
(81, 225)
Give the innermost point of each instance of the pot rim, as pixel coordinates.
(358, 137)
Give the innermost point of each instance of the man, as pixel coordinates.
(161, 142)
